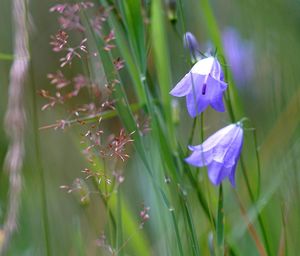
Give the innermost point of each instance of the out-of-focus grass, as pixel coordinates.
(270, 100)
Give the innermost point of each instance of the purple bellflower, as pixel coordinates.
(240, 56)
(220, 153)
(203, 85)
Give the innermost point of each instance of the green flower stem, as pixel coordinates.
(220, 222)
(40, 168)
(234, 105)
(258, 164)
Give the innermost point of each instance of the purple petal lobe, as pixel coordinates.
(183, 87)
(196, 104)
(217, 173)
(228, 148)
(216, 71)
(215, 93)
(199, 158)
(231, 176)
(218, 104)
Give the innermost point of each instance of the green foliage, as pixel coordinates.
(187, 215)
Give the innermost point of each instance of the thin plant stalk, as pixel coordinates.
(120, 93)
(119, 233)
(258, 164)
(220, 222)
(233, 99)
(40, 168)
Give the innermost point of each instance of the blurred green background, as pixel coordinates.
(271, 99)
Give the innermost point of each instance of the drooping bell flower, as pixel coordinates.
(220, 153)
(239, 54)
(203, 85)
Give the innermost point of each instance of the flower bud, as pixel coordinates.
(190, 42)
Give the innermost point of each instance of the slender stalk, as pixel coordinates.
(112, 230)
(200, 197)
(258, 164)
(202, 127)
(177, 234)
(209, 204)
(190, 140)
(205, 204)
(220, 222)
(91, 118)
(195, 184)
(41, 171)
(122, 110)
(119, 231)
(206, 183)
(195, 246)
(233, 99)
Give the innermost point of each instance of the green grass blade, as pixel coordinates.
(128, 121)
(136, 76)
(132, 16)
(137, 241)
(161, 56)
(190, 224)
(5, 56)
(177, 234)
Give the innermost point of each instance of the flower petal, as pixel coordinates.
(216, 71)
(214, 139)
(198, 106)
(217, 172)
(233, 169)
(214, 92)
(231, 176)
(199, 158)
(234, 150)
(218, 104)
(203, 67)
(194, 102)
(183, 87)
(226, 151)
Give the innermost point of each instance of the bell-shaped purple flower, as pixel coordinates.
(220, 153)
(240, 56)
(203, 85)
